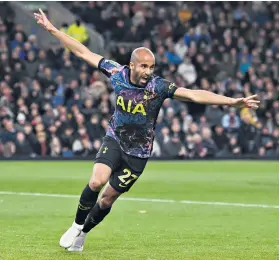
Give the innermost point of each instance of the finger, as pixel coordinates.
(253, 106)
(253, 101)
(38, 18)
(251, 97)
(42, 13)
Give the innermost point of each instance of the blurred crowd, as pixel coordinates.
(53, 104)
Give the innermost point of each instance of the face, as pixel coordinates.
(176, 128)
(197, 139)
(20, 137)
(233, 141)
(19, 37)
(27, 129)
(52, 129)
(83, 76)
(96, 144)
(276, 132)
(9, 125)
(262, 151)
(20, 102)
(165, 131)
(203, 119)
(194, 128)
(206, 133)
(39, 128)
(142, 69)
(88, 103)
(30, 55)
(48, 72)
(94, 119)
(68, 131)
(219, 130)
(104, 123)
(231, 113)
(82, 131)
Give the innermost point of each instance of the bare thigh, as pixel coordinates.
(100, 176)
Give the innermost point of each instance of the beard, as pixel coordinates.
(142, 80)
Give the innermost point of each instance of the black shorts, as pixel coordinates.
(126, 169)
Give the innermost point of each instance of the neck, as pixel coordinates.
(132, 80)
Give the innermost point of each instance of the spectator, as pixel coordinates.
(42, 146)
(200, 150)
(8, 149)
(68, 72)
(9, 133)
(262, 152)
(220, 138)
(187, 71)
(31, 64)
(49, 98)
(23, 147)
(94, 129)
(208, 143)
(267, 141)
(55, 147)
(156, 149)
(64, 27)
(247, 135)
(234, 148)
(231, 121)
(172, 57)
(214, 115)
(79, 32)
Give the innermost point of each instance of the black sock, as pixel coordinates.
(95, 216)
(87, 201)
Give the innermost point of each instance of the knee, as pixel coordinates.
(95, 185)
(106, 202)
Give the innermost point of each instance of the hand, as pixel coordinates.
(203, 152)
(43, 20)
(236, 150)
(249, 102)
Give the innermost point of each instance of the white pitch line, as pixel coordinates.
(216, 203)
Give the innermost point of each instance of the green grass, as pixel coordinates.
(30, 226)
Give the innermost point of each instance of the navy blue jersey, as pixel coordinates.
(137, 108)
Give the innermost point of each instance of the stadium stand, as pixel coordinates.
(53, 104)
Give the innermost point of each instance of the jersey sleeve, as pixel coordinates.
(166, 88)
(108, 67)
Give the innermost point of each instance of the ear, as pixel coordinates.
(131, 65)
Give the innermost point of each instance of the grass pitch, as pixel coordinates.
(31, 225)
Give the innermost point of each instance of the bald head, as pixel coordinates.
(142, 54)
(142, 65)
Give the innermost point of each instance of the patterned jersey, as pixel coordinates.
(137, 108)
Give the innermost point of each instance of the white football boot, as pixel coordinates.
(69, 236)
(78, 244)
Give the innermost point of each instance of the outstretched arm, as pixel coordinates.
(76, 47)
(210, 98)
